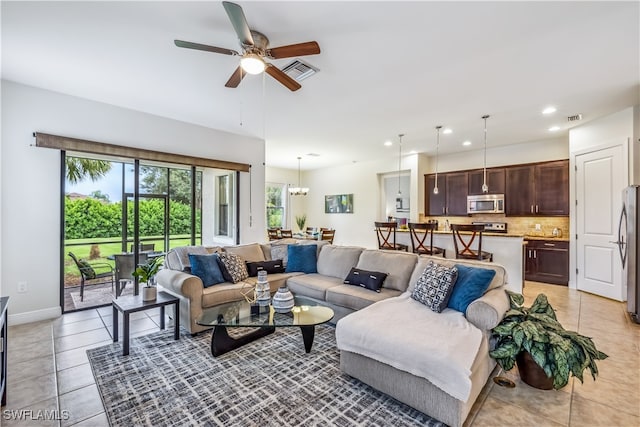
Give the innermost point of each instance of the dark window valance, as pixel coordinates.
(93, 147)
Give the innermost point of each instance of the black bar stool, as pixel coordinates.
(386, 232)
(462, 242)
(420, 231)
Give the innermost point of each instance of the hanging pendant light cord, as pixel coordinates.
(485, 187)
(435, 187)
(399, 162)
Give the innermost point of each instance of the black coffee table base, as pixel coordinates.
(222, 343)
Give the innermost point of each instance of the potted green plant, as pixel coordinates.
(533, 338)
(301, 221)
(146, 274)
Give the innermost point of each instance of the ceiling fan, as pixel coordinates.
(255, 48)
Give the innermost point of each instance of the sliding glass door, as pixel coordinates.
(100, 223)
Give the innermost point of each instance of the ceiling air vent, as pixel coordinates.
(575, 118)
(299, 70)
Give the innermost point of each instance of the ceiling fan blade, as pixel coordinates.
(236, 78)
(239, 22)
(300, 49)
(198, 46)
(277, 74)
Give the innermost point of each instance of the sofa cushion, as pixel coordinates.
(371, 280)
(206, 268)
(236, 269)
(178, 258)
(471, 284)
(251, 252)
(434, 286)
(313, 285)
(273, 266)
(398, 266)
(355, 297)
(500, 279)
(302, 258)
(222, 293)
(337, 261)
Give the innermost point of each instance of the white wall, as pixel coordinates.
(526, 152)
(616, 128)
(30, 178)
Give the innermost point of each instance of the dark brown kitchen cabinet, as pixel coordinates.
(436, 204)
(457, 190)
(495, 181)
(538, 189)
(452, 194)
(552, 188)
(547, 261)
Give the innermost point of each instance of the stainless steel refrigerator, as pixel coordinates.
(628, 239)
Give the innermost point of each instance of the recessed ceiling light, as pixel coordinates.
(313, 154)
(549, 110)
(466, 143)
(446, 131)
(412, 152)
(388, 143)
(554, 128)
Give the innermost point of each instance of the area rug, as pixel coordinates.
(269, 382)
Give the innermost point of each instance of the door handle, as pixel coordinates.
(531, 208)
(536, 208)
(534, 254)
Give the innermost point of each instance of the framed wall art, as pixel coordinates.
(338, 203)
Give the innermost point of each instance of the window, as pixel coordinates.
(276, 205)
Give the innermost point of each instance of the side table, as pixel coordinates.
(133, 303)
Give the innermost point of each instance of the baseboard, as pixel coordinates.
(34, 316)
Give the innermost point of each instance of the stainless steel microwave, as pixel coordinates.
(485, 203)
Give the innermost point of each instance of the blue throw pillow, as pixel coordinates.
(206, 268)
(302, 258)
(470, 285)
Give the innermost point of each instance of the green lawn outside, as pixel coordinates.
(82, 251)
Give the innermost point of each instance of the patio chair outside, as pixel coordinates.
(88, 272)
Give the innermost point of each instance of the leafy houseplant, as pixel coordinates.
(145, 274)
(537, 331)
(301, 220)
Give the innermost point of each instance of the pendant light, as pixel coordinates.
(485, 187)
(435, 187)
(399, 162)
(298, 191)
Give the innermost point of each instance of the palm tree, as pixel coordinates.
(80, 168)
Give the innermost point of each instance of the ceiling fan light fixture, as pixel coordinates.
(252, 63)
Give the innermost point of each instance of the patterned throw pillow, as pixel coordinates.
(235, 266)
(435, 285)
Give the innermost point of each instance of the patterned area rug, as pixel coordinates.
(269, 382)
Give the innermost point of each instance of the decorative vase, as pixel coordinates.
(282, 300)
(531, 373)
(149, 293)
(263, 290)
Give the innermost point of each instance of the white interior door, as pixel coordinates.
(600, 178)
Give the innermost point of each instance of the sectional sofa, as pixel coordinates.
(435, 362)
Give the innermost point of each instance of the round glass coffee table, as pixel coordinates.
(306, 314)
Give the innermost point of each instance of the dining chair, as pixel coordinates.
(273, 233)
(420, 232)
(328, 235)
(145, 247)
(125, 266)
(463, 242)
(386, 232)
(286, 233)
(88, 272)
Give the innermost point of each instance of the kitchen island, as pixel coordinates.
(507, 250)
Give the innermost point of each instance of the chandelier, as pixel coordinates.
(298, 191)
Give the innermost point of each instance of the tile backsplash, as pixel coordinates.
(525, 225)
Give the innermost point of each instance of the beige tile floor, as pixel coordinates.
(49, 370)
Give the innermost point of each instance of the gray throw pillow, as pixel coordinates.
(435, 285)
